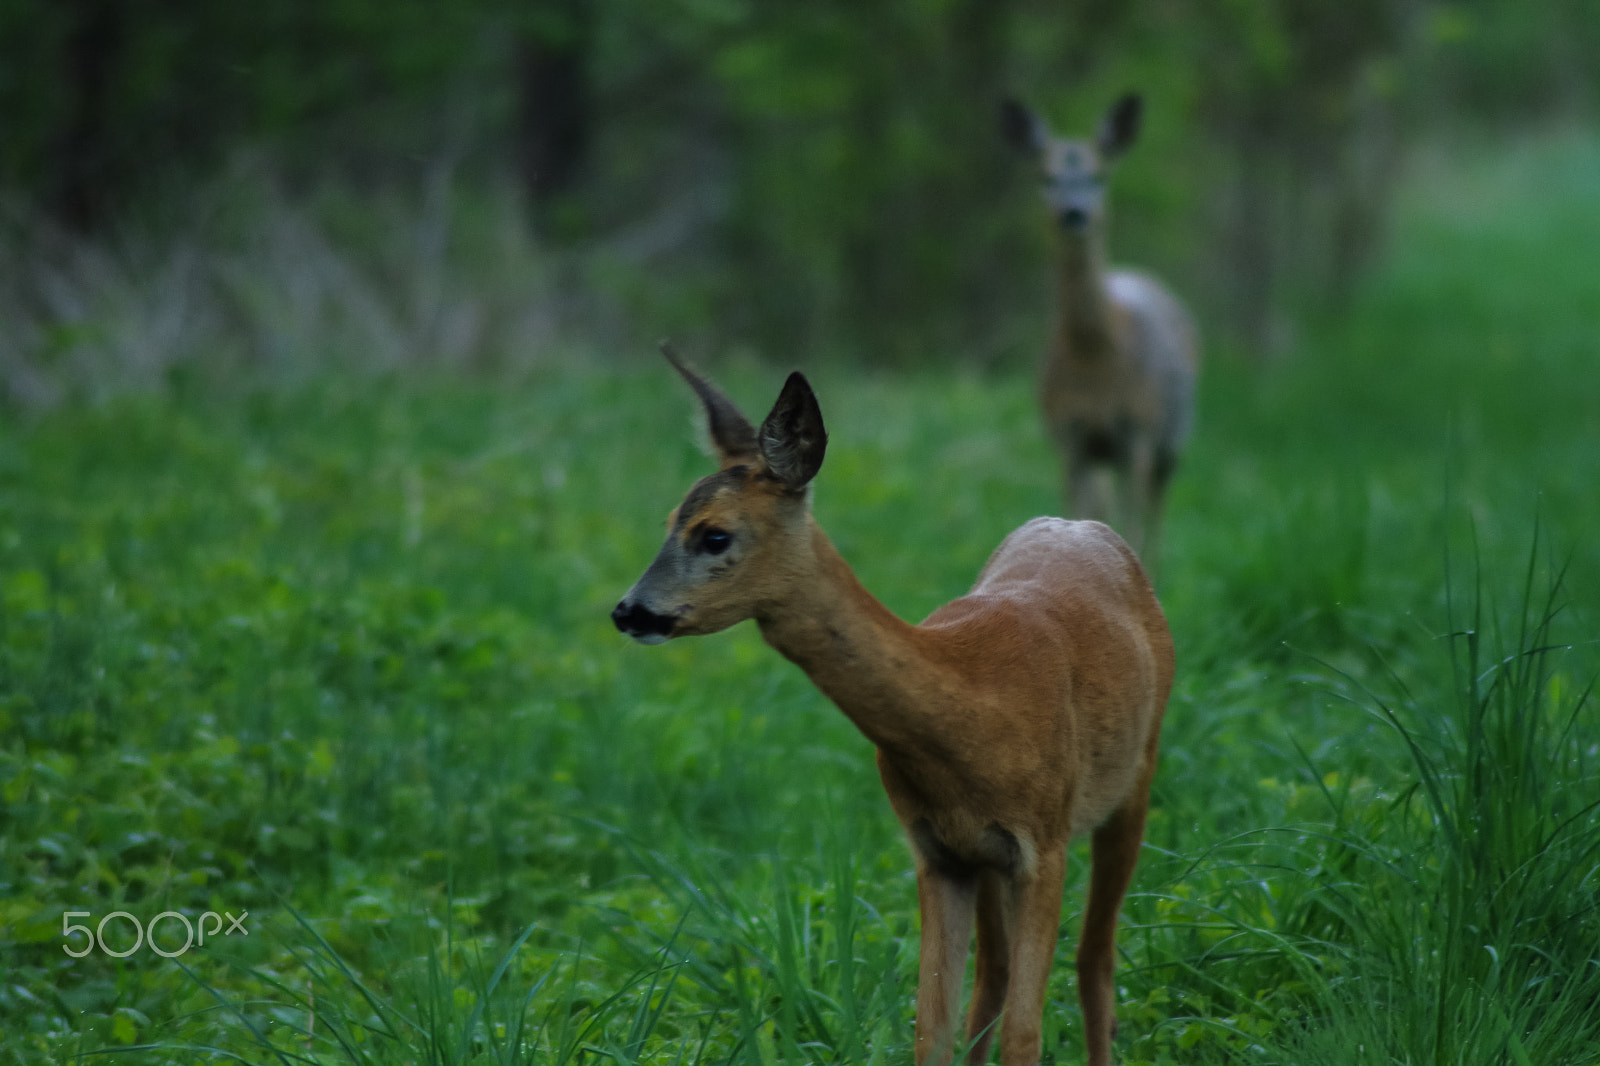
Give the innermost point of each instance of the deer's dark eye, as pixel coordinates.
(716, 541)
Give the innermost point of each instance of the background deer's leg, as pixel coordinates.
(1161, 473)
(1090, 490)
(1116, 852)
(993, 974)
(947, 905)
(1135, 495)
(1035, 920)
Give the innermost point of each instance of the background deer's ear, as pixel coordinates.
(731, 433)
(1023, 130)
(1120, 128)
(792, 439)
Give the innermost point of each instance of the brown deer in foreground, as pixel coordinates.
(1118, 383)
(1010, 720)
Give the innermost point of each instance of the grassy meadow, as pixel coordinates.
(338, 655)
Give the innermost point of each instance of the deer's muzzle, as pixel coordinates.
(1073, 219)
(641, 623)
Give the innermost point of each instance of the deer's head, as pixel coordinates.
(738, 540)
(1073, 171)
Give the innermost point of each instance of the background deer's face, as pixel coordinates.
(1074, 184)
(1074, 171)
(736, 541)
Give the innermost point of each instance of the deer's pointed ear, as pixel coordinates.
(1120, 128)
(1022, 129)
(792, 439)
(731, 433)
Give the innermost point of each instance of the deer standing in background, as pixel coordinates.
(1010, 720)
(1118, 383)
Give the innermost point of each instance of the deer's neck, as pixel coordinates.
(862, 657)
(1085, 307)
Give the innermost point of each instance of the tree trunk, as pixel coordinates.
(555, 109)
(80, 189)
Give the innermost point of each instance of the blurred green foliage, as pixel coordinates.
(804, 173)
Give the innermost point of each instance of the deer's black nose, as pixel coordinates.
(637, 620)
(1074, 218)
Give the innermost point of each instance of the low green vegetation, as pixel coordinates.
(336, 658)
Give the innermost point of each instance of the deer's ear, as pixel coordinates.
(1120, 128)
(731, 433)
(792, 439)
(1022, 129)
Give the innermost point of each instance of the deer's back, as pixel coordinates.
(1062, 646)
(1078, 584)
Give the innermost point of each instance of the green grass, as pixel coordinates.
(338, 655)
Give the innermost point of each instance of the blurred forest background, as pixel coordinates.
(203, 189)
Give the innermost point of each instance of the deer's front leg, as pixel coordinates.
(1035, 919)
(947, 904)
(1137, 494)
(993, 971)
(1088, 489)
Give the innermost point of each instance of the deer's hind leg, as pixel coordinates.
(1116, 852)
